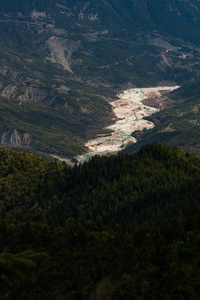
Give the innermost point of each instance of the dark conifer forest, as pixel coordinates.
(119, 227)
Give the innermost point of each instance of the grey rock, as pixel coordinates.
(32, 95)
(8, 91)
(17, 137)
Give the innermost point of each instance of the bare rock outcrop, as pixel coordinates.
(32, 95)
(17, 137)
(27, 94)
(8, 91)
(35, 15)
(63, 89)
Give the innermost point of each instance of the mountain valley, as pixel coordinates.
(62, 63)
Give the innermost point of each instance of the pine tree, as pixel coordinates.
(17, 268)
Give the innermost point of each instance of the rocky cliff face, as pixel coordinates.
(32, 94)
(17, 137)
(8, 91)
(27, 94)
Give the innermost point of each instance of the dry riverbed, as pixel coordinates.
(130, 113)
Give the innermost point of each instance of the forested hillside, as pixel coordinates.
(123, 227)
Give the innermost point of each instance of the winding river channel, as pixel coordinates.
(130, 113)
